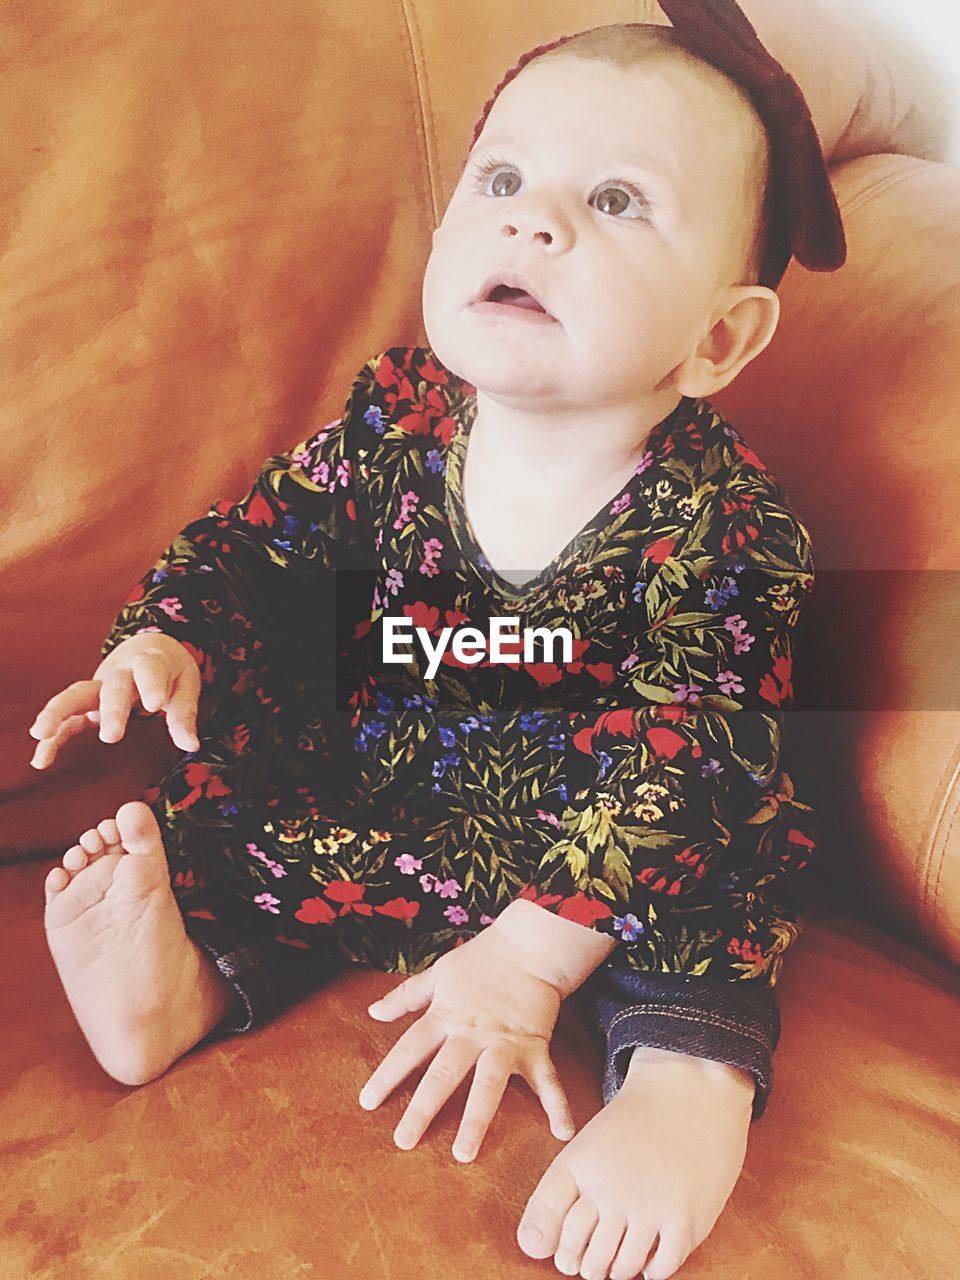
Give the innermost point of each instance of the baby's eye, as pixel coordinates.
(484, 170)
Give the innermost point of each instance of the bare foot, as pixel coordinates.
(642, 1185)
(142, 991)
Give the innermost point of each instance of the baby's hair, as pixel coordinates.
(639, 44)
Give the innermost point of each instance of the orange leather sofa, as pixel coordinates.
(212, 216)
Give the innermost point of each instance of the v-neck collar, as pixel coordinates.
(464, 412)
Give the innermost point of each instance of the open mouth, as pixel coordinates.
(507, 299)
(504, 294)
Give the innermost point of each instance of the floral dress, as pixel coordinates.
(346, 809)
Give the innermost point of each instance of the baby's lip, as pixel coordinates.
(513, 280)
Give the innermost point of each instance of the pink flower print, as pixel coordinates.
(428, 882)
(549, 817)
(644, 462)
(378, 540)
(629, 661)
(621, 504)
(267, 902)
(683, 692)
(485, 919)
(343, 472)
(736, 625)
(141, 630)
(432, 548)
(449, 888)
(268, 862)
(393, 581)
(408, 504)
(173, 608)
(456, 915)
(407, 864)
(729, 683)
(743, 642)
(321, 473)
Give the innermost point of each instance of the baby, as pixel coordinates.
(497, 829)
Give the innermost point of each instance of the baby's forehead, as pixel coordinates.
(706, 105)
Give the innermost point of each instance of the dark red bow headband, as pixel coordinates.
(805, 220)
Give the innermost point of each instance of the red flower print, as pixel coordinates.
(135, 595)
(197, 776)
(259, 511)
(454, 617)
(351, 509)
(664, 742)
(547, 901)
(427, 416)
(735, 539)
(779, 689)
(431, 372)
(545, 673)
(674, 713)
(393, 379)
(659, 550)
(202, 913)
(583, 910)
(746, 949)
(315, 911)
(243, 681)
(619, 723)
(423, 615)
(343, 891)
(799, 837)
(731, 503)
(748, 455)
(602, 671)
(362, 628)
(399, 909)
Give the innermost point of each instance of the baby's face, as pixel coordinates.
(619, 194)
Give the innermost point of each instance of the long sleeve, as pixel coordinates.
(688, 843)
(236, 570)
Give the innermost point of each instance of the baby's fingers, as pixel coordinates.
(542, 1078)
(116, 700)
(80, 696)
(490, 1080)
(181, 709)
(46, 750)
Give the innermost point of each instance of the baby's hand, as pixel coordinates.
(152, 665)
(485, 1007)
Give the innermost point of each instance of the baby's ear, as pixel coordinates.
(749, 325)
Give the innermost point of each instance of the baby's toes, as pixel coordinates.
(75, 859)
(602, 1249)
(57, 880)
(110, 834)
(635, 1248)
(578, 1227)
(538, 1232)
(92, 842)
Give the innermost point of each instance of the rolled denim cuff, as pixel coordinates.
(267, 975)
(733, 1022)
